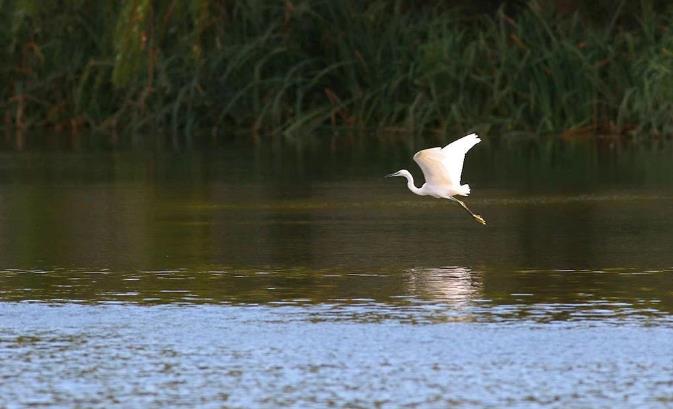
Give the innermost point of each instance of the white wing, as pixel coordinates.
(432, 164)
(444, 166)
(455, 154)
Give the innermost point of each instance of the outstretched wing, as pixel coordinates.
(454, 154)
(444, 166)
(432, 163)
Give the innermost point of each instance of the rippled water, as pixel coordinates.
(417, 295)
(258, 356)
(246, 277)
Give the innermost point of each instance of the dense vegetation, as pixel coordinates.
(287, 66)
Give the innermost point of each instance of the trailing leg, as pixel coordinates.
(467, 209)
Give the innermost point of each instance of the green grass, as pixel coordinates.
(290, 67)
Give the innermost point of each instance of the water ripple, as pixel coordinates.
(441, 294)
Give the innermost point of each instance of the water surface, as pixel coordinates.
(271, 276)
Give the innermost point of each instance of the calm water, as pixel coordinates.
(297, 276)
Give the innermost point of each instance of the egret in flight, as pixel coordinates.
(442, 168)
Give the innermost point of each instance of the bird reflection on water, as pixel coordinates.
(453, 285)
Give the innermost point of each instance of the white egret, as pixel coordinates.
(442, 168)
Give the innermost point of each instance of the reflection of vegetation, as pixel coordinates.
(184, 65)
(241, 229)
(265, 206)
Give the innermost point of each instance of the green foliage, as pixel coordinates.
(183, 65)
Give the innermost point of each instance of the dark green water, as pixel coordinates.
(298, 276)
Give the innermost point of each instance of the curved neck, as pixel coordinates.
(410, 184)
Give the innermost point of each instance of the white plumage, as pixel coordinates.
(442, 168)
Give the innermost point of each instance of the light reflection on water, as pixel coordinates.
(261, 356)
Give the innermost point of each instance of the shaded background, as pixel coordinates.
(212, 69)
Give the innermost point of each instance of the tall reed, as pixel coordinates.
(184, 66)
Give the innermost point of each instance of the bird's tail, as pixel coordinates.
(464, 190)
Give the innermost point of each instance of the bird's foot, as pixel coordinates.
(480, 219)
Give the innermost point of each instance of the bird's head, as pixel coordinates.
(402, 173)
